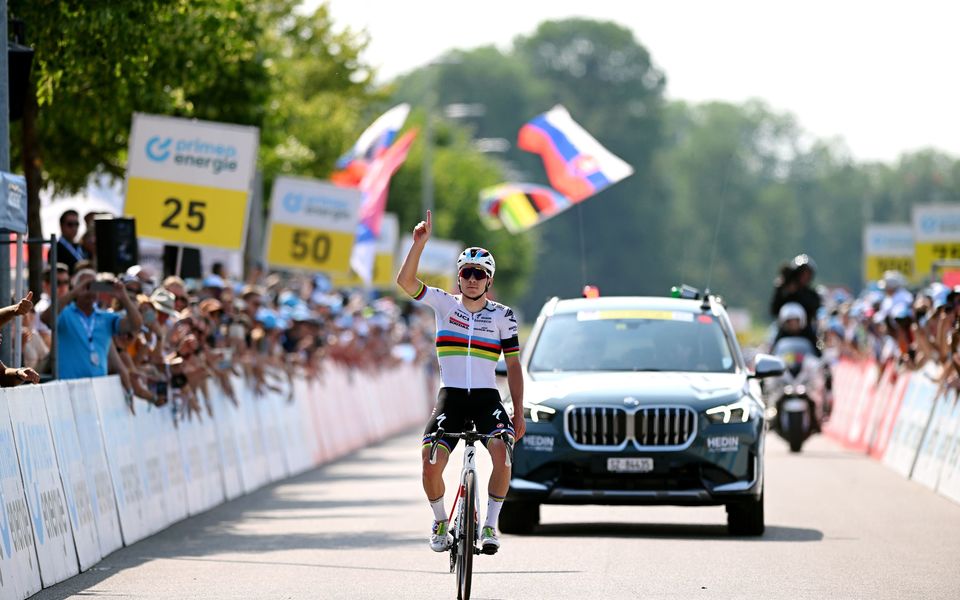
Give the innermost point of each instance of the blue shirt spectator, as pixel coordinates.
(85, 332)
(81, 338)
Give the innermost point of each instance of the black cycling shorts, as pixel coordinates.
(455, 406)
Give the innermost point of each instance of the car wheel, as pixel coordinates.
(517, 516)
(746, 517)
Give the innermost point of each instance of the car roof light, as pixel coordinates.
(591, 291)
(685, 291)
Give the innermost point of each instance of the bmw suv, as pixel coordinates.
(639, 400)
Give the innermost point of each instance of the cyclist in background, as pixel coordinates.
(472, 331)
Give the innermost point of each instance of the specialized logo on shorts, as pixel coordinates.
(441, 418)
(497, 413)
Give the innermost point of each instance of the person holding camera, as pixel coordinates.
(85, 330)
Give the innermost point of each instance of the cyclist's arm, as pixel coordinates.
(407, 277)
(515, 382)
(510, 342)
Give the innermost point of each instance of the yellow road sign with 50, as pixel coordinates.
(312, 225)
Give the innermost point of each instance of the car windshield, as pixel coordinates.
(632, 340)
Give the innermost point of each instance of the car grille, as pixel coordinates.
(664, 426)
(659, 427)
(597, 425)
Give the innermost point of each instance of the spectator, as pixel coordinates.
(69, 251)
(9, 376)
(63, 285)
(85, 330)
(178, 288)
(89, 244)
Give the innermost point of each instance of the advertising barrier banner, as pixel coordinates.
(52, 532)
(936, 442)
(123, 458)
(949, 484)
(19, 570)
(73, 476)
(87, 419)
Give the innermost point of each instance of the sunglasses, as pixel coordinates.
(471, 272)
(71, 224)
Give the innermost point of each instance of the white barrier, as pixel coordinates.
(224, 413)
(76, 487)
(936, 439)
(913, 423)
(137, 518)
(52, 532)
(87, 419)
(19, 571)
(949, 484)
(101, 476)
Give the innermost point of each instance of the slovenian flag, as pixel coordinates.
(373, 142)
(577, 165)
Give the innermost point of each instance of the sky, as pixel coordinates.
(881, 75)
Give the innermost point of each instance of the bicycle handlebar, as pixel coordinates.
(472, 436)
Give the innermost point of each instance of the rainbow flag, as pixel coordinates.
(520, 206)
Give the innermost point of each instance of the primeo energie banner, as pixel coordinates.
(887, 247)
(188, 181)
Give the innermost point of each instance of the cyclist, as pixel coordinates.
(471, 333)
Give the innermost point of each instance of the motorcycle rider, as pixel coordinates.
(795, 285)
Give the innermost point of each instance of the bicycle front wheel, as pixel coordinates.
(468, 531)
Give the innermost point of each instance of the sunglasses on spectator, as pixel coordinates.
(470, 272)
(71, 224)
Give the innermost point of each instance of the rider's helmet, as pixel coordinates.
(802, 262)
(790, 311)
(478, 257)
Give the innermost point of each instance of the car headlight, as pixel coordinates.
(538, 412)
(736, 412)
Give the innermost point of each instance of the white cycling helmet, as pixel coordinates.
(479, 257)
(792, 310)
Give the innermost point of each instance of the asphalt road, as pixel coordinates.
(838, 526)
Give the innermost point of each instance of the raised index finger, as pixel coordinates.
(29, 296)
(429, 218)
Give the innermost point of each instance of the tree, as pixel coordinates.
(221, 60)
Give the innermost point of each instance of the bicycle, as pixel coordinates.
(463, 517)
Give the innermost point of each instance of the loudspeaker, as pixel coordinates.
(189, 265)
(117, 248)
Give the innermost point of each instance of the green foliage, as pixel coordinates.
(97, 63)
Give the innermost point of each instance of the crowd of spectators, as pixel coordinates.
(168, 338)
(918, 329)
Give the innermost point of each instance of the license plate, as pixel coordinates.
(630, 465)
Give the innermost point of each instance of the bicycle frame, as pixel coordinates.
(469, 466)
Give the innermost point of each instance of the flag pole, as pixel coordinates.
(583, 247)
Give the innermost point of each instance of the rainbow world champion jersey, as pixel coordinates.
(469, 344)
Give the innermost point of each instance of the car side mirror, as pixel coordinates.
(501, 370)
(766, 365)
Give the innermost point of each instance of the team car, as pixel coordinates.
(639, 401)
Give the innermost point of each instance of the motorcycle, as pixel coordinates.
(795, 399)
